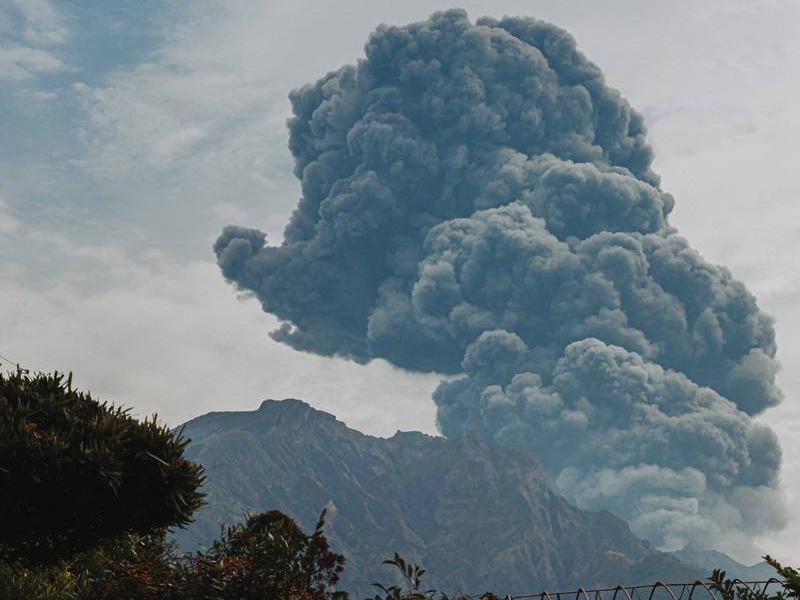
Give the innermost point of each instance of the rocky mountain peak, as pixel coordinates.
(478, 516)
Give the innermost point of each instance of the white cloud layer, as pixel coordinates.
(173, 339)
(43, 25)
(27, 50)
(19, 62)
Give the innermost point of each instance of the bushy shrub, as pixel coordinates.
(133, 567)
(75, 472)
(269, 556)
(52, 582)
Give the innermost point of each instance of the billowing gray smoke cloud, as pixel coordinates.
(476, 201)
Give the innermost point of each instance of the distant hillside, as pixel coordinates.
(477, 516)
(708, 560)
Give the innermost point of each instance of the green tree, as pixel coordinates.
(268, 556)
(75, 472)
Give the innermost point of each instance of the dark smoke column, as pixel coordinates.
(476, 201)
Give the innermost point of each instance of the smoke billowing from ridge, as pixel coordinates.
(476, 201)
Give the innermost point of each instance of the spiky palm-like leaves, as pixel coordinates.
(75, 472)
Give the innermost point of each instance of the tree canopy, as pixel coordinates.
(75, 472)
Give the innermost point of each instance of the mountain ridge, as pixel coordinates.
(709, 560)
(476, 515)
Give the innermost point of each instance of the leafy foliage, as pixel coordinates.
(269, 556)
(789, 574)
(52, 582)
(412, 576)
(412, 588)
(266, 558)
(75, 472)
(133, 567)
(728, 589)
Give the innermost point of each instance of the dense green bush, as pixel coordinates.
(266, 558)
(53, 582)
(269, 556)
(133, 567)
(75, 472)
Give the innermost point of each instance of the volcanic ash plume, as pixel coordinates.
(477, 202)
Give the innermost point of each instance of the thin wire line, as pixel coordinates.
(13, 362)
(635, 589)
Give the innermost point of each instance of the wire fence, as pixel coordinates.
(697, 590)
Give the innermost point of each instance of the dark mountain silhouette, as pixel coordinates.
(477, 516)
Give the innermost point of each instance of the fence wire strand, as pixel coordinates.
(657, 590)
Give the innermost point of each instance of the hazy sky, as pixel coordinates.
(132, 132)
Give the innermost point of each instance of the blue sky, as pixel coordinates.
(132, 132)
